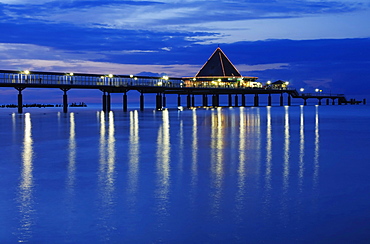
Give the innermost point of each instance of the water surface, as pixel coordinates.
(237, 175)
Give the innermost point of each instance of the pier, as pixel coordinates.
(217, 77)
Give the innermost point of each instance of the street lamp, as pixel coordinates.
(302, 89)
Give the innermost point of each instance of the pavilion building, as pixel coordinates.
(218, 71)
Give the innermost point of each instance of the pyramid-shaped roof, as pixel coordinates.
(218, 65)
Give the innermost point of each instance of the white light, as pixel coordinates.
(286, 83)
(131, 76)
(302, 89)
(110, 76)
(27, 72)
(268, 82)
(71, 74)
(165, 77)
(317, 90)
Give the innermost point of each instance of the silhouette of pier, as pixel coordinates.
(217, 77)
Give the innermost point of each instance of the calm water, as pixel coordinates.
(232, 175)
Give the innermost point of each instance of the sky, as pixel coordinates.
(310, 43)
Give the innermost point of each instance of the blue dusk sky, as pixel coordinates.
(310, 43)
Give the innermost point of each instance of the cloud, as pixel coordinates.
(223, 21)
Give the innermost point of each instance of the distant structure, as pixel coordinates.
(219, 72)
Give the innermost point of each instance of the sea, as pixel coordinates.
(297, 174)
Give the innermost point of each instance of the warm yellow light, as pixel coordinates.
(135, 78)
(286, 83)
(194, 79)
(27, 72)
(110, 76)
(101, 77)
(165, 77)
(268, 82)
(131, 76)
(219, 80)
(71, 74)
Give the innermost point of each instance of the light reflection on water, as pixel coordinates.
(217, 146)
(227, 164)
(134, 157)
(106, 175)
(163, 166)
(317, 148)
(25, 199)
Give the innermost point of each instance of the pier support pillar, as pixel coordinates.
(256, 100)
(158, 101)
(236, 101)
(192, 100)
(289, 100)
(108, 102)
(164, 100)
(65, 99)
(124, 102)
(178, 100)
(304, 101)
(188, 101)
(333, 101)
(327, 101)
(269, 100)
(213, 100)
(142, 102)
(230, 100)
(217, 100)
(364, 101)
(243, 100)
(20, 99)
(281, 99)
(319, 101)
(104, 102)
(205, 100)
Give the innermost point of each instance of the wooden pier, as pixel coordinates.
(161, 86)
